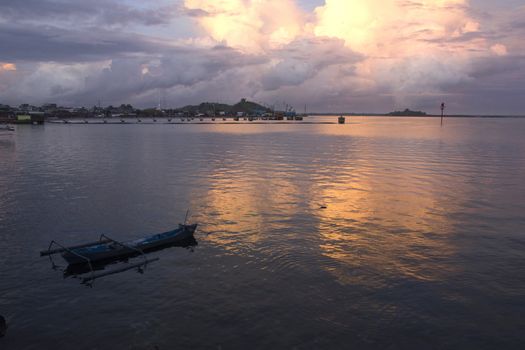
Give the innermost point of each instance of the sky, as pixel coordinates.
(323, 55)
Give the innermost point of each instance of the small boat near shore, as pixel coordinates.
(108, 249)
(88, 257)
(6, 128)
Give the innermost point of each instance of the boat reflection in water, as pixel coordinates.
(76, 270)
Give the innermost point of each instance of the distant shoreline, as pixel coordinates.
(411, 116)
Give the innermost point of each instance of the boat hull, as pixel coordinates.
(114, 250)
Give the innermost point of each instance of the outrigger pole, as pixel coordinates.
(103, 239)
(50, 253)
(63, 249)
(89, 280)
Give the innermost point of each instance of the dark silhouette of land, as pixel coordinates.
(26, 113)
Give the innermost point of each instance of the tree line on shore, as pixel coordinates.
(126, 110)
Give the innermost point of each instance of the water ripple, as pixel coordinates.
(379, 233)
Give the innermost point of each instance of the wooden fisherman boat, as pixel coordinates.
(108, 249)
(93, 256)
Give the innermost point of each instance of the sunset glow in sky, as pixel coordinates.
(332, 55)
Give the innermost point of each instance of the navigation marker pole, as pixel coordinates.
(442, 112)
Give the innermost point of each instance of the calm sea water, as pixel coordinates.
(421, 244)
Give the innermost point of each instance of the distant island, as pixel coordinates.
(407, 113)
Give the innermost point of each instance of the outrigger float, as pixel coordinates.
(91, 256)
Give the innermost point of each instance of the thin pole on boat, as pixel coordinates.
(186, 218)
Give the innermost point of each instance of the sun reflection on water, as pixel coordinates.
(357, 208)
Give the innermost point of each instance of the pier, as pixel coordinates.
(185, 121)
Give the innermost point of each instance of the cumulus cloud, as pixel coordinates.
(499, 49)
(409, 46)
(394, 28)
(251, 25)
(361, 55)
(7, 66)
(304, 59)
(7, 75)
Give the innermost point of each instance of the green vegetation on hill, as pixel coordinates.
(206, 107)
(210, 107)
(407, 112)
(248, 107)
